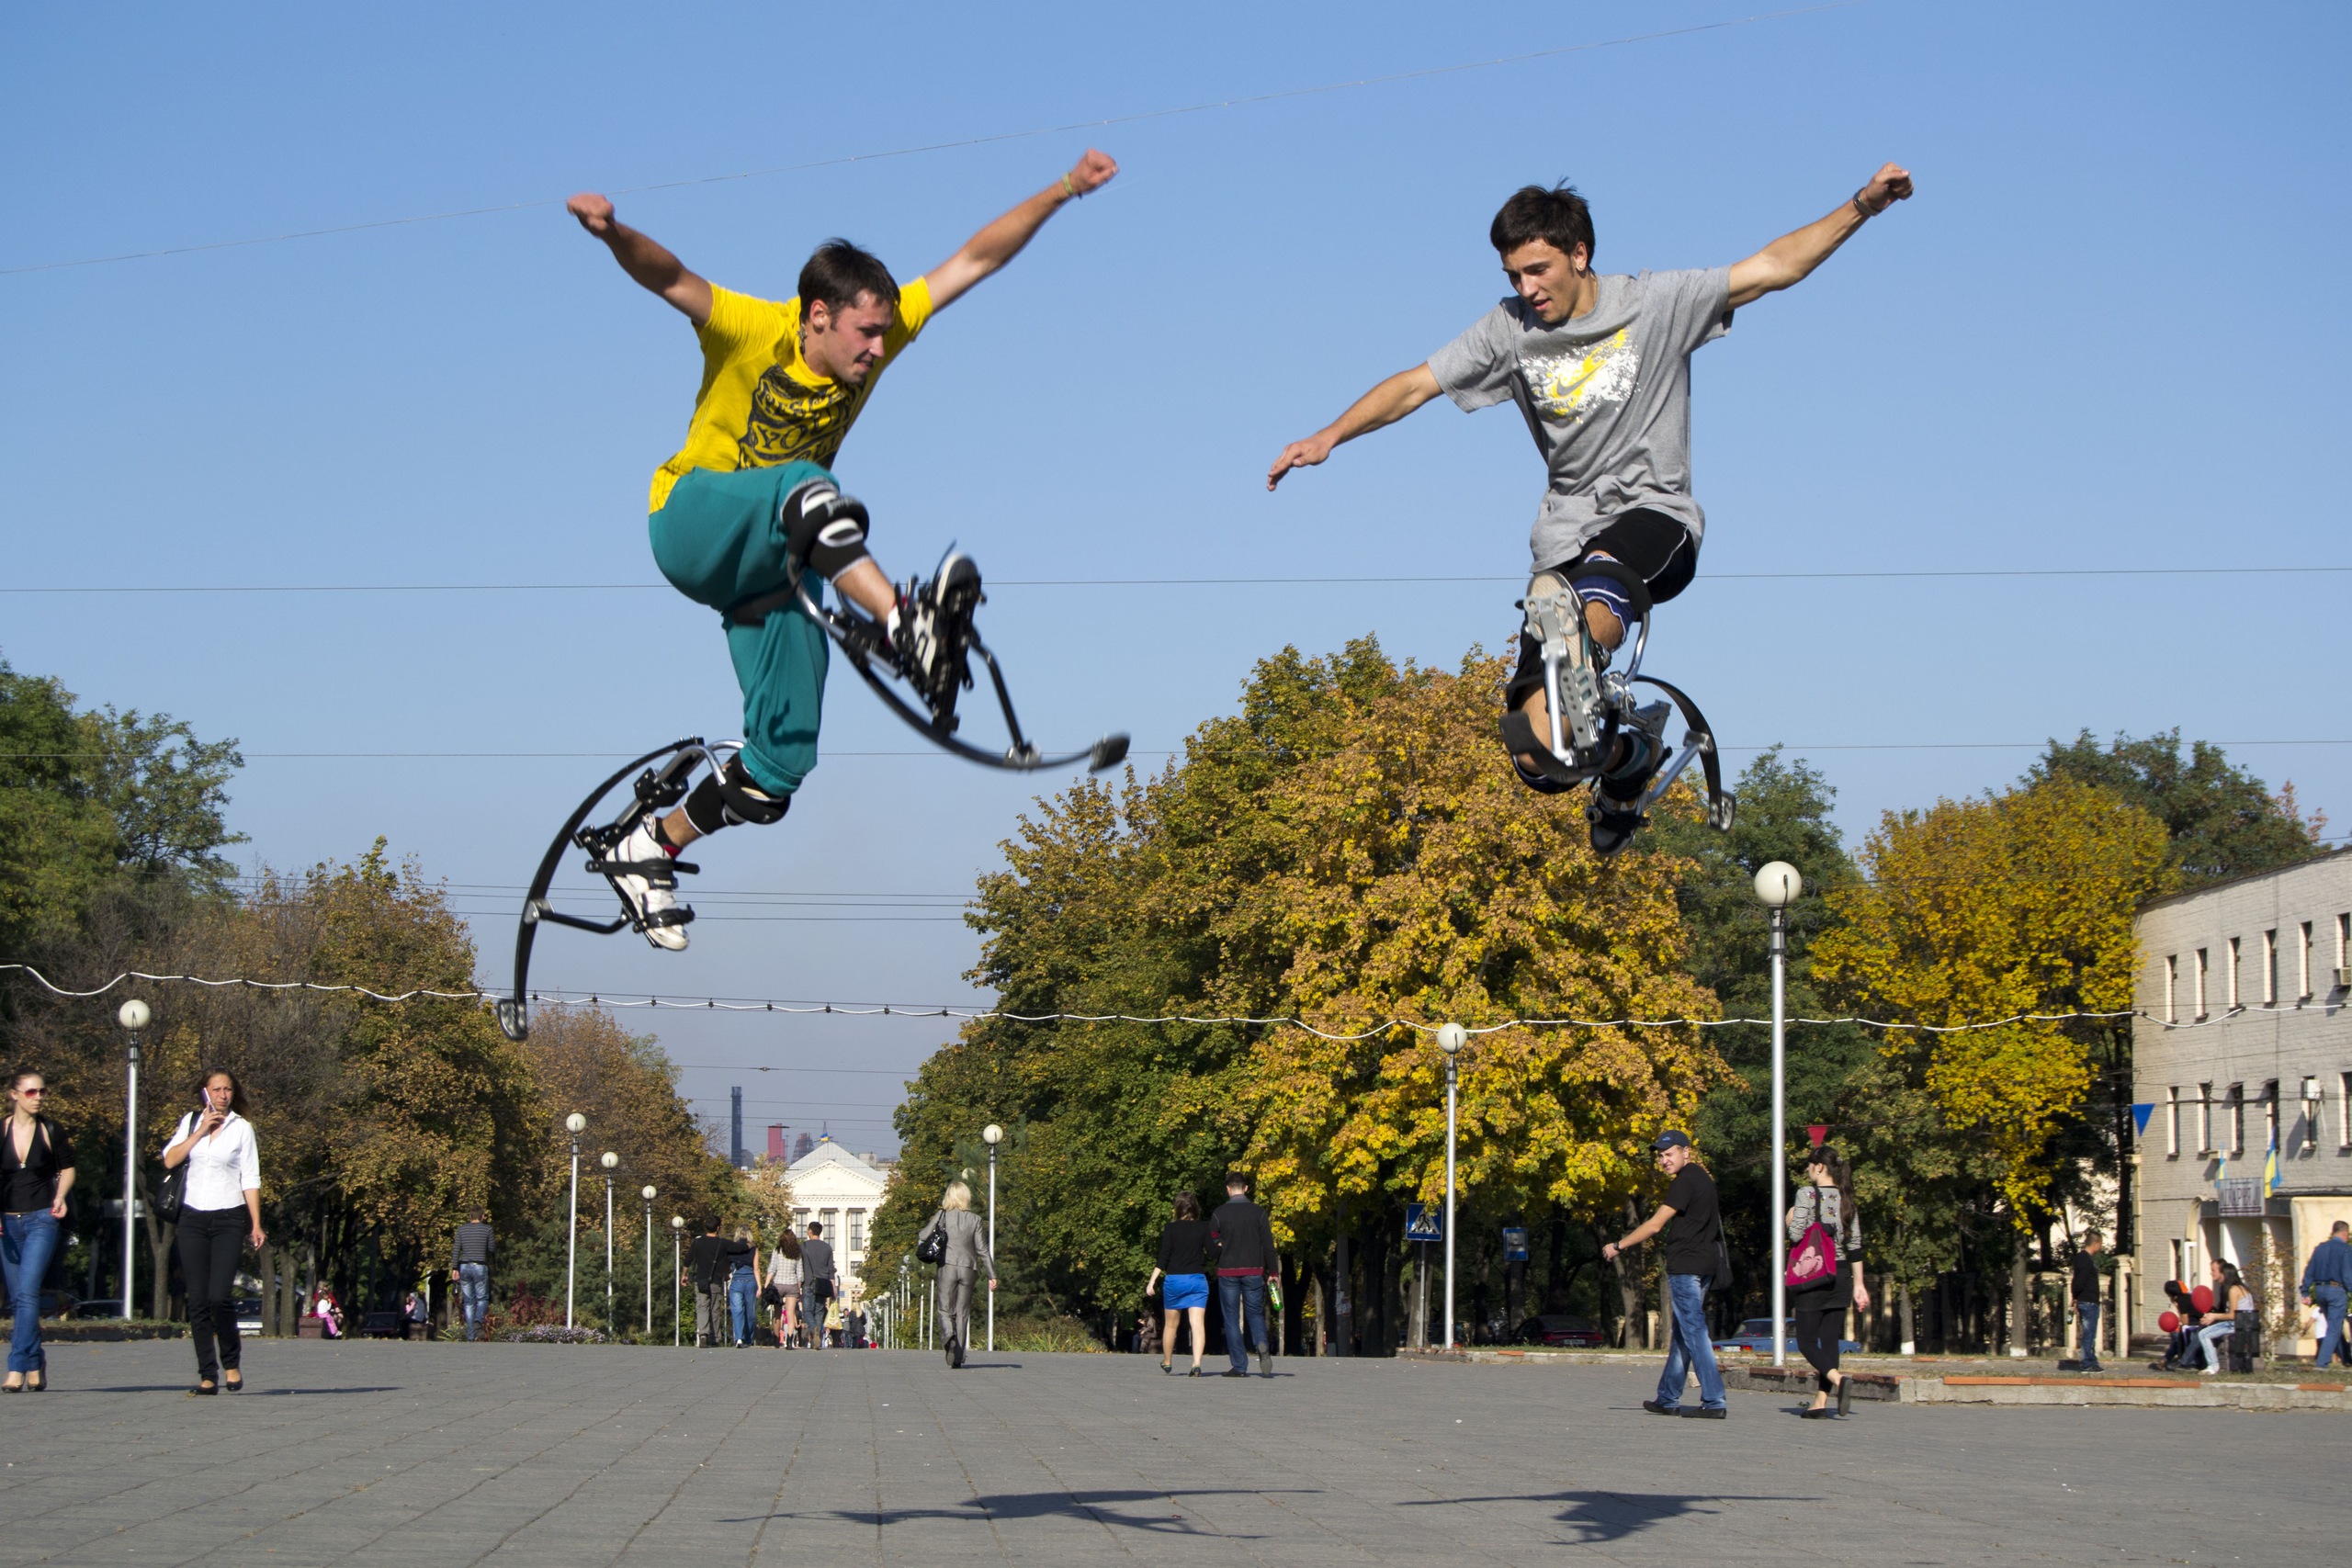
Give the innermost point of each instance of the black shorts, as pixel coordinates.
(1655, 546)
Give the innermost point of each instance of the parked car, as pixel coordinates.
(248, 1314)
(59, 1303)
(102, 1307)
(1755, 1339)
(1554, 1329)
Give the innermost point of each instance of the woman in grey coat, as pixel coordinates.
(967, 1259)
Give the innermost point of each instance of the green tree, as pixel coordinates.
(2220, 819)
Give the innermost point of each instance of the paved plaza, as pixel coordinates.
(446, 1454)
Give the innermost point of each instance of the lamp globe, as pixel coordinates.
(133, 1015)
(677, 1221)
(993, 1135)
(575, 1124)
(648, 1194)
(610, 1161)
(1778, 886)
(1452, 1037)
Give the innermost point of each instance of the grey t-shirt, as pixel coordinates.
(1606, 395)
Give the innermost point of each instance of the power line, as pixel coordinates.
(1924, 574)
(1002, 136)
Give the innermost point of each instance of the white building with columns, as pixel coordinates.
(839, 1190)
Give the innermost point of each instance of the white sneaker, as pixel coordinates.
(643, 847)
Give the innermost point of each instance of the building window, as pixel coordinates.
(2303, 972)
(2343, 941)
(2270, 1115)
(2201, 967)
(2172, 989)
(857, 1230)
(2234, 945)
(2204, 1119)
(2172, 1121)
(2270, 969)
(832, 1218)
(2237, 1119)
(2344, 1111)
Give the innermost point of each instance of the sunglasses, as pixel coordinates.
(32, 1091)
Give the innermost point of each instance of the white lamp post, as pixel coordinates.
(992, 1135)
(1777, 887)
(677, 1272)
(133, 1016)
(1450, 1038)
(575, 1124)
(649, 1195)
(611, 1162)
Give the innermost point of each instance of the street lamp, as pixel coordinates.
(649, 1195)
(1777, 887)
(575, 1124)
(611, 1162)
(992, 1135)
(677, 1272)
(1450, 1038)
(133, 1016)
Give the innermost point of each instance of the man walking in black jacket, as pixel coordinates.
(1244, 1238)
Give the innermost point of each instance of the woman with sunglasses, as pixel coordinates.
(219, 1214)
(36, 1173)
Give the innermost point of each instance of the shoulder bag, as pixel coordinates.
(170, 1193)
(932, 1247)
(1814, 1263)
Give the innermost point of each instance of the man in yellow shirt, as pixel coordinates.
(750, 501)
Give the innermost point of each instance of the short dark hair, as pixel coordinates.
(477, 1215)
(2092, 1238)
(816, 1229)
(1558, 215)
(838, 272)
(1234, 1178)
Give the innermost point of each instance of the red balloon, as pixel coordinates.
(2169, 1322)
(2201, 1297)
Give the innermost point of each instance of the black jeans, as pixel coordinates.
(1819, 1321)
(211, 1240)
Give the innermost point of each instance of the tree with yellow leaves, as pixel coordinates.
(1348, 848)
(2001, 912)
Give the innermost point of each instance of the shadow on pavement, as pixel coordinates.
(256, 1393)
(1008, 1507)
(1613, 1515)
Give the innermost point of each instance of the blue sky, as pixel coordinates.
(2095, 339)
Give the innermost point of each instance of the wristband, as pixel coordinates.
(1071, 190)
(1867, 213)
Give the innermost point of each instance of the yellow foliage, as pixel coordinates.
(1981, 909)
(1428, 884)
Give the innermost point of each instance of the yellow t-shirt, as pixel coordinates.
(760, 404)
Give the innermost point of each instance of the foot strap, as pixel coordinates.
(1550, 776)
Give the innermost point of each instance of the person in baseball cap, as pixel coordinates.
(1694, 1255)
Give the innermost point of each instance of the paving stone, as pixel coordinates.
(530, 1455)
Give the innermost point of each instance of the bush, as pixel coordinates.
(555, 1334)
(1046, 1334)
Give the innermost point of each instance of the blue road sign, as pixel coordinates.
(1424, 1222)
(1514, 1244)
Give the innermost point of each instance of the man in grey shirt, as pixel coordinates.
(470, 1252)
(817, 1282)
(1599, 367)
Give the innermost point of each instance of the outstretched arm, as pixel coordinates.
(1002, 241)
(1385, 404)
(1790, 259)
(643, 258)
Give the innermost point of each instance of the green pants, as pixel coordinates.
(718, 542)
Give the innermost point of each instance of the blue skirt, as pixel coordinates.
(1185, 1290)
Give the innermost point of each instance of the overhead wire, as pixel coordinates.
(1416, 580)
(1134, 117)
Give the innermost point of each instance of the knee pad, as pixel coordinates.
(824, 529)
(728, 798)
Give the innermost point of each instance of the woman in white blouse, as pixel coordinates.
(219, 1214)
